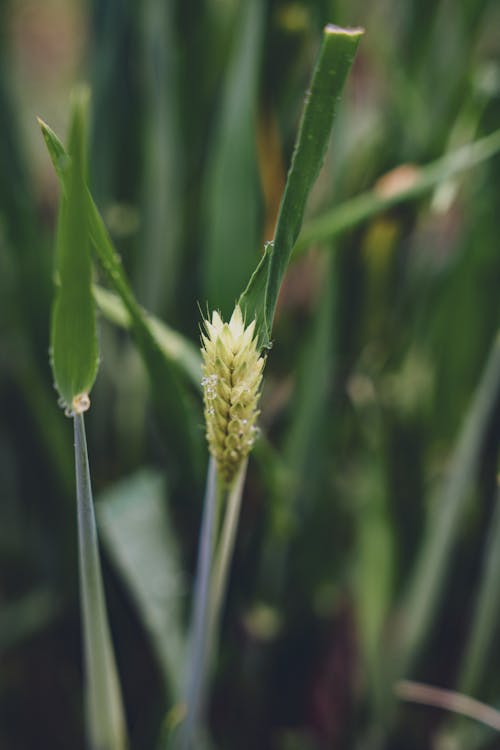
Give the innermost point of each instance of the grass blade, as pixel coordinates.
(232, 188)
(334, 61)
(485, 619)
(175, 347)
(421, 602)
(136, 527)
(73, 332)
(367, 205)
(163, 183)
(106, 723)
(179, 415)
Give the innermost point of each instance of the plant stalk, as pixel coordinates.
(199, 655)
(211, 581)
(104, 708)
(224, 555)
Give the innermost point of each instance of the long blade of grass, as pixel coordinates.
(334, 61)
(303, 447)
(176, 347)
(162, 191)
(421, 602)
(479, 648)
(354, 212)
(179, 414)
(73, 330)
(232, 192)
(105, 716)
(484, 627)
(137, 530)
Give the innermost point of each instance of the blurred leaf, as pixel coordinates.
(231, 238)
(163, 178)
(73, 334)
(334, 61)
(479, 651)
(363, 207)
(304, 448)
(373, 564)
(27, 616)
(137, 530)
(313, 382)
(421, 602)
(484, 628)
(176, 347)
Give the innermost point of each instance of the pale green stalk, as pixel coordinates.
(211, 584)
(105, 716)
(224, 554)
(198, 665)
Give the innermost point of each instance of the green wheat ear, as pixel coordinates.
(232, 374)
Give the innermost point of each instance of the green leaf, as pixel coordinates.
(422, 600)
(232, 186)
(174, 403)
(176, 347)
(73, 333)
(163, 181)
(137, 530)
(484, 628)
(57, 152)
(357, 210)
(334, 61)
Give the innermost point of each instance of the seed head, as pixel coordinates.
(232, 374)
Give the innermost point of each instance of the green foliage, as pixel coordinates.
(73, 336)
(171, 396)
(368, 539)
(334, 61)
(138, 532)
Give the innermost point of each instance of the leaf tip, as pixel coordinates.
(355, 31)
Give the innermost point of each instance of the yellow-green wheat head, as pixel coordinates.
(232, 374)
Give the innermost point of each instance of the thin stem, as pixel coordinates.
(105, 717)
(199, 655)
(224, 555)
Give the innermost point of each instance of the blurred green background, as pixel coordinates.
(369, 542)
